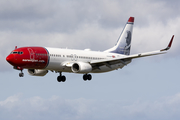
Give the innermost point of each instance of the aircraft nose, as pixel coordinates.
(10, 59)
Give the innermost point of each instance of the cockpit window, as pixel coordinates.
(15, 52)
(20, 53)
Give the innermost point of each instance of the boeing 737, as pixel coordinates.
(39, 60)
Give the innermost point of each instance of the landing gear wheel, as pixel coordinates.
(21, 74)
(61, 78)
(87, 77)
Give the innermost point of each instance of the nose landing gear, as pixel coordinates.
(21, 74)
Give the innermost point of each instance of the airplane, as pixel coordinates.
(39, 60)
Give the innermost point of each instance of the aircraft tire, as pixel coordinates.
(21, 74)
(85, 77)
(63, 78)
(89, 77)
(59, 78)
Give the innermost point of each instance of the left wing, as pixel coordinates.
(129, 57)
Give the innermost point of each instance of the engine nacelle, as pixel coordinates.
(81, 67)
(37, 72)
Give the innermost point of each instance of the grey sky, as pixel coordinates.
(145, 89)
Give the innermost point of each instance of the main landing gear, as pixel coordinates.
(61, 78)
(87, 77)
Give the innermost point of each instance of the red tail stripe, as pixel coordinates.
(131, 19)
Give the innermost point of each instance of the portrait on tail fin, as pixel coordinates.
(128, 43)
(125, 44)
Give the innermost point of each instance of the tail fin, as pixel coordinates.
(123, 44)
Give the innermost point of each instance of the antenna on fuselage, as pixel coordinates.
(15, 47)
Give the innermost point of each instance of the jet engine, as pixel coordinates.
(37, 72)
(81, 67)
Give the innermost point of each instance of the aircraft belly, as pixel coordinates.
(56, 65)
(108, 68)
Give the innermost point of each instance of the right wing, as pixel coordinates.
(130, 57)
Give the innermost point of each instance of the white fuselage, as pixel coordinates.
(59, 59)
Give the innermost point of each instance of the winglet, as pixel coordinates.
(169, 45)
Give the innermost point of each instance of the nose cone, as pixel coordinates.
(10, 59)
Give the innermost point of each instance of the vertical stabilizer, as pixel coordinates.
(123, 44)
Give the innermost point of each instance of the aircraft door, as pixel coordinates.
(32, 54)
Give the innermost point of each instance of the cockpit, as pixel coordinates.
(16, 52)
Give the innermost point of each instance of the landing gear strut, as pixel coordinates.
(87, 77)
(61, 78)
(21, 74)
